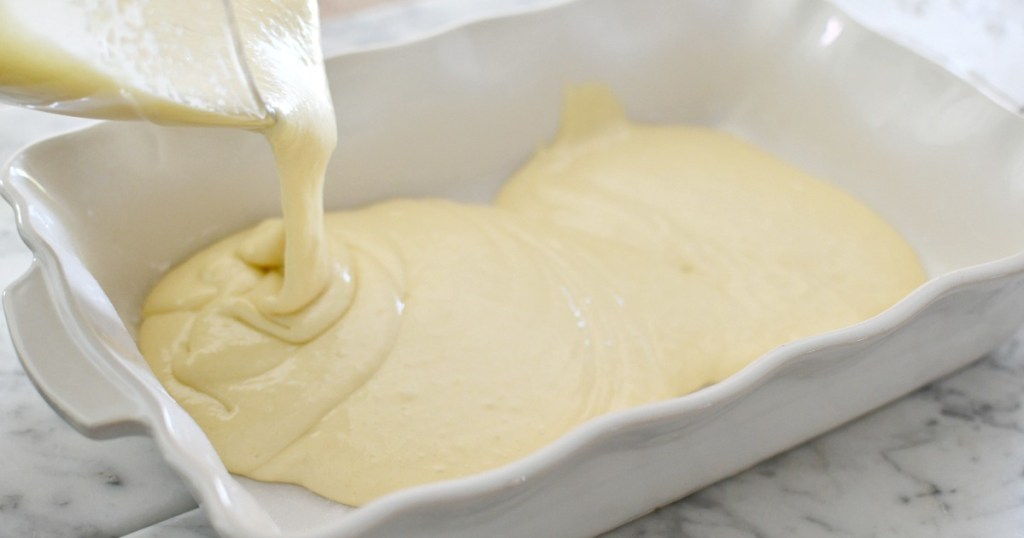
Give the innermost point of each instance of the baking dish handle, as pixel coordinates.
(66, 375)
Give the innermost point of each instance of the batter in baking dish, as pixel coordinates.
(419, 340)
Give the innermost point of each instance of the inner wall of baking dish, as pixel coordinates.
(456, 114)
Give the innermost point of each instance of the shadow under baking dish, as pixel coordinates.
(107, 210)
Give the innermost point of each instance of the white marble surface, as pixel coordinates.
(53, 481)
(945, 461)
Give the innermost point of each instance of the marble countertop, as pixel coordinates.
(945, 461)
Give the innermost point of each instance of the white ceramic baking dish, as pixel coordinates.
(107, 210)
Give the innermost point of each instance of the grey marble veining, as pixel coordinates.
(55, 483)
(191, 524)
(945, 461)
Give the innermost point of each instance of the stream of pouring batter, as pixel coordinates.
(287, 66)
(153, 60)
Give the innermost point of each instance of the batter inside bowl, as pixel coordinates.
(624, 264)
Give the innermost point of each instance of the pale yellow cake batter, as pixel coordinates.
(429, 340)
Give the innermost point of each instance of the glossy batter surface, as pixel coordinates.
(623, 264)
